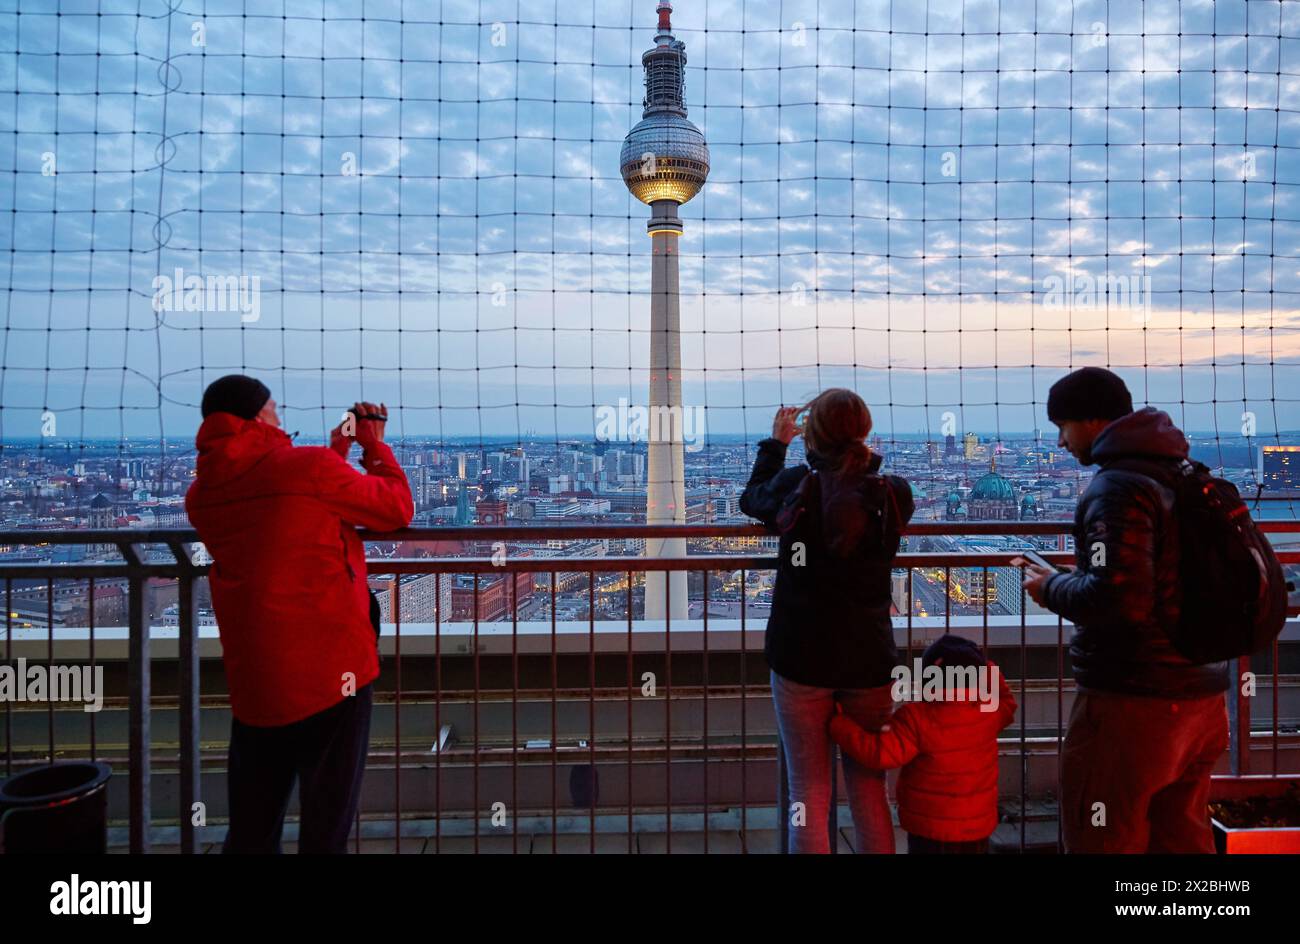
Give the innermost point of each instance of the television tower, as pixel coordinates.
(664, 163)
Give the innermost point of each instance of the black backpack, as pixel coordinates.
(1234, 596)
(810, 507)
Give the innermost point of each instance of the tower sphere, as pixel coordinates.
(664, 156)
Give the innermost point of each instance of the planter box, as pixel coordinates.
(1265, 839)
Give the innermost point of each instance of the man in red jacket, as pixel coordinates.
(289, 589)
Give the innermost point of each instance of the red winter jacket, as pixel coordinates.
(948, 788)
(288, 577)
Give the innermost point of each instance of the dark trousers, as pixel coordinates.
(921, 845)
(324, 753)
(1135, 773)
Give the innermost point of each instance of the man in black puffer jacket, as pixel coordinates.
(1147, 725)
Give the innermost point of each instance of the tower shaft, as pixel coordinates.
(665, 591)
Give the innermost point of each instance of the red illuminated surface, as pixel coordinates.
(1268, 840)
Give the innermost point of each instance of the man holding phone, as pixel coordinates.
(1147, 725)
(289, 589)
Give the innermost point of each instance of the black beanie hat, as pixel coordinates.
(952, 650)
(1089, 393)
(235, 393)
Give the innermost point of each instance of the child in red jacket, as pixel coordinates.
(946, 743)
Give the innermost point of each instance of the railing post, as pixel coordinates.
(138, 679)
(1234, 741)
(833, 815)
(782, 798)
(1239, 721)
(188, 656)
(9, 654)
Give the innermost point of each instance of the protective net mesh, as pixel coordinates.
(941, 205)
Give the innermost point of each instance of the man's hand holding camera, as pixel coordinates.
(364, 424)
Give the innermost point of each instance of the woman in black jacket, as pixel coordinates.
(829, 637)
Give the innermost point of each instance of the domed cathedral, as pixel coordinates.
(1029, 510)
(993, 498)
(102, 513)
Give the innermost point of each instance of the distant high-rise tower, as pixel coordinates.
(664, 163)
(463, 515)
(1280, 467)
(102, 516)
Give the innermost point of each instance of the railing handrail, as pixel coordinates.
(560, 532)
(521, 532)
(125, 539)
(488, 565)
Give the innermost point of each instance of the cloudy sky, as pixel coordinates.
(911, 198)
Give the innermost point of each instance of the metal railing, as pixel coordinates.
(686, 753)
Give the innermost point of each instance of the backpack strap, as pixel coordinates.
(1163, 470)
(1166, 472)
(891, 515)
(893, 502)
(806, 493)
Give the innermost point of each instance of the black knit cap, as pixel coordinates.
(235, 393)
(952, 650)
(1089, 393)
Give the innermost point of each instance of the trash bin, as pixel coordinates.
(56, 808)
